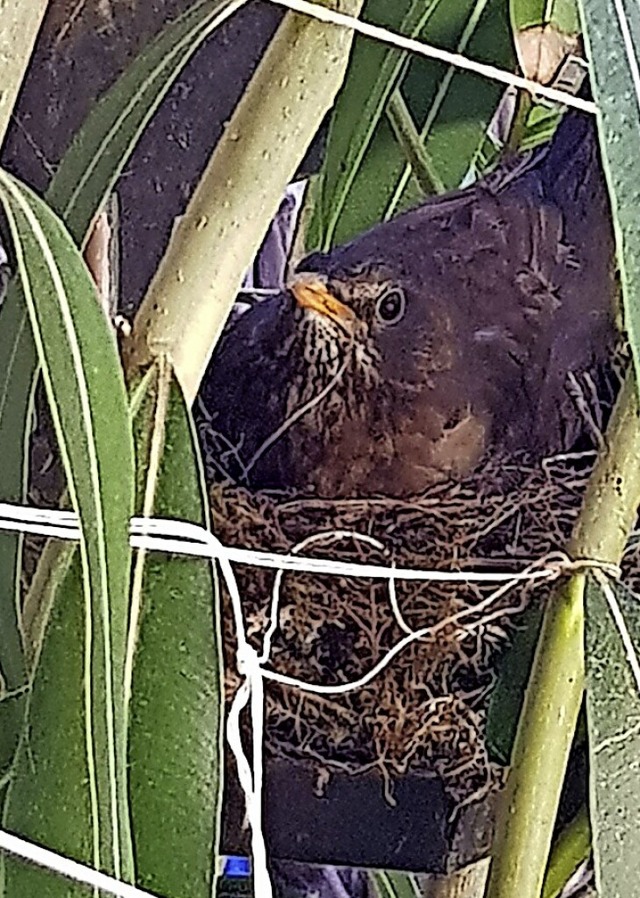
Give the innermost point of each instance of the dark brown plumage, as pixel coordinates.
(407, 355)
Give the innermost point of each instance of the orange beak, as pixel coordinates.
(315, 295)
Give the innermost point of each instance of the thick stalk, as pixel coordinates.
(552, 702)
(212, 246)
(20, 25)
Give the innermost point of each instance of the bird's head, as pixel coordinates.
(368, 317)
(359, 305)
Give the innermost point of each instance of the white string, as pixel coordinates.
(43, 857)
(189, 539)
(377, 32)
(301, 546)
(181, 537)
(618, 617)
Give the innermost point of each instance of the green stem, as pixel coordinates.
(552, 703)
(412, 145)
(20, 25)
(519, 123)
(191, 295)
(541, 749)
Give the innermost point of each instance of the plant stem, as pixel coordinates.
(192, 293)
(541, 749)
(519, 123)
(20, 25)
(150, 465)
(611, 500)
(412, 145)
(552, 702)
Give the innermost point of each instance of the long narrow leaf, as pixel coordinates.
(176, 698)
(507, 695)
(563, 13)
(391, 884)
(11, 717)
(373, 74)
(613, 703)
(366, 177)
(18, 359)
(87, 398)
(77, 192)
(454, 119)
(101, 148)
(48, 799)
(612, 33)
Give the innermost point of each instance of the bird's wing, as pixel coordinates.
(517, 274)
(244, 391)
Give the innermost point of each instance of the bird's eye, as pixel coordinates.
(391, 305)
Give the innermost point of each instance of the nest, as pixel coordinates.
(425, 713)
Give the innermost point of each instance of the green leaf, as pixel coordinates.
(374, 72)
(612, 35)
(508, 693)
(18, 360)
(175, 720)
(365, 176)
(613, 707)
(454, 120)
(87, 173)
(571, 849)
(48, 797)
(102, 146)
(87, 399)
(536, 122)
(12, 708)
(564, 14)
(526, 13)
(391, 884)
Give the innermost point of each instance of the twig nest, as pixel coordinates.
(426, 711)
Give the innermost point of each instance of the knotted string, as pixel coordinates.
(183, 538)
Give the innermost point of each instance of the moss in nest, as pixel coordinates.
(426, 711)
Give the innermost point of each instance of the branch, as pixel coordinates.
(554, 695)
(192, 293)
(413, 146)
(20, 25)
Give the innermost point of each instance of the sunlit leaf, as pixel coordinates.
(87, 399)
(374, 72)
(84, 178)
(392, 884)
(175, 715)
(366, 178)
(571, 849)
(564, 14)
(613, 703)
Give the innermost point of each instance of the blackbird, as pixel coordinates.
(410, 354)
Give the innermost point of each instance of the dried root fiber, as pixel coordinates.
(426, 711)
